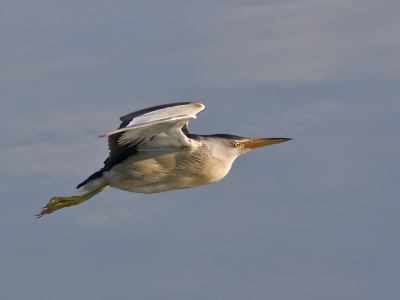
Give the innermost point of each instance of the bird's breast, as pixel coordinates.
(167, 172)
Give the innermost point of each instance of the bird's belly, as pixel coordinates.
(166, 185)
(150, 184)
(156, 176)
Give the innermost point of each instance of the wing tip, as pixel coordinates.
(158, 107)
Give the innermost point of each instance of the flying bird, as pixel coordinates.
(152, 151)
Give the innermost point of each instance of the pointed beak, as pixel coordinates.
(257, 143)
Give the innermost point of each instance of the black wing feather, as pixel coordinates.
(129, 117)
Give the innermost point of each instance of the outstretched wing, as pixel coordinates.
(159, 128)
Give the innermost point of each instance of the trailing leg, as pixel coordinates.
(57, 203)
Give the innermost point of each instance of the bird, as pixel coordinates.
(152, 151)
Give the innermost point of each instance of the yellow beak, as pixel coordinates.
(257, 143)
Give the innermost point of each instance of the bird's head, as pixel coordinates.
(228, 145)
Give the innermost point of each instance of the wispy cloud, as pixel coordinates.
(301, 118)
(93, 219)
(296, 42)
(58, 141)
(310, 115)
(45, 67)
(46, 158)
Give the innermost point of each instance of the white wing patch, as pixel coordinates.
(157, 130)
(186, 109)
(156, 134)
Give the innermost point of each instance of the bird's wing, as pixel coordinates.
(161, 111)
(159, 128)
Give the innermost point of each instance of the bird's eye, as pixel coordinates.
(237, 144)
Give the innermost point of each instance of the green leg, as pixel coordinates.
(57, 203)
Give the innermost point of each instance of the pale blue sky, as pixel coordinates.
(315, 218)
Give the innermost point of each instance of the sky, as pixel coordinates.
(313, 218)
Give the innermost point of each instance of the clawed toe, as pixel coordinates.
(57, 203)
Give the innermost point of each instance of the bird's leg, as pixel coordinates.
(57, 203)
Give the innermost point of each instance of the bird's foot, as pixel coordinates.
(57, 203)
